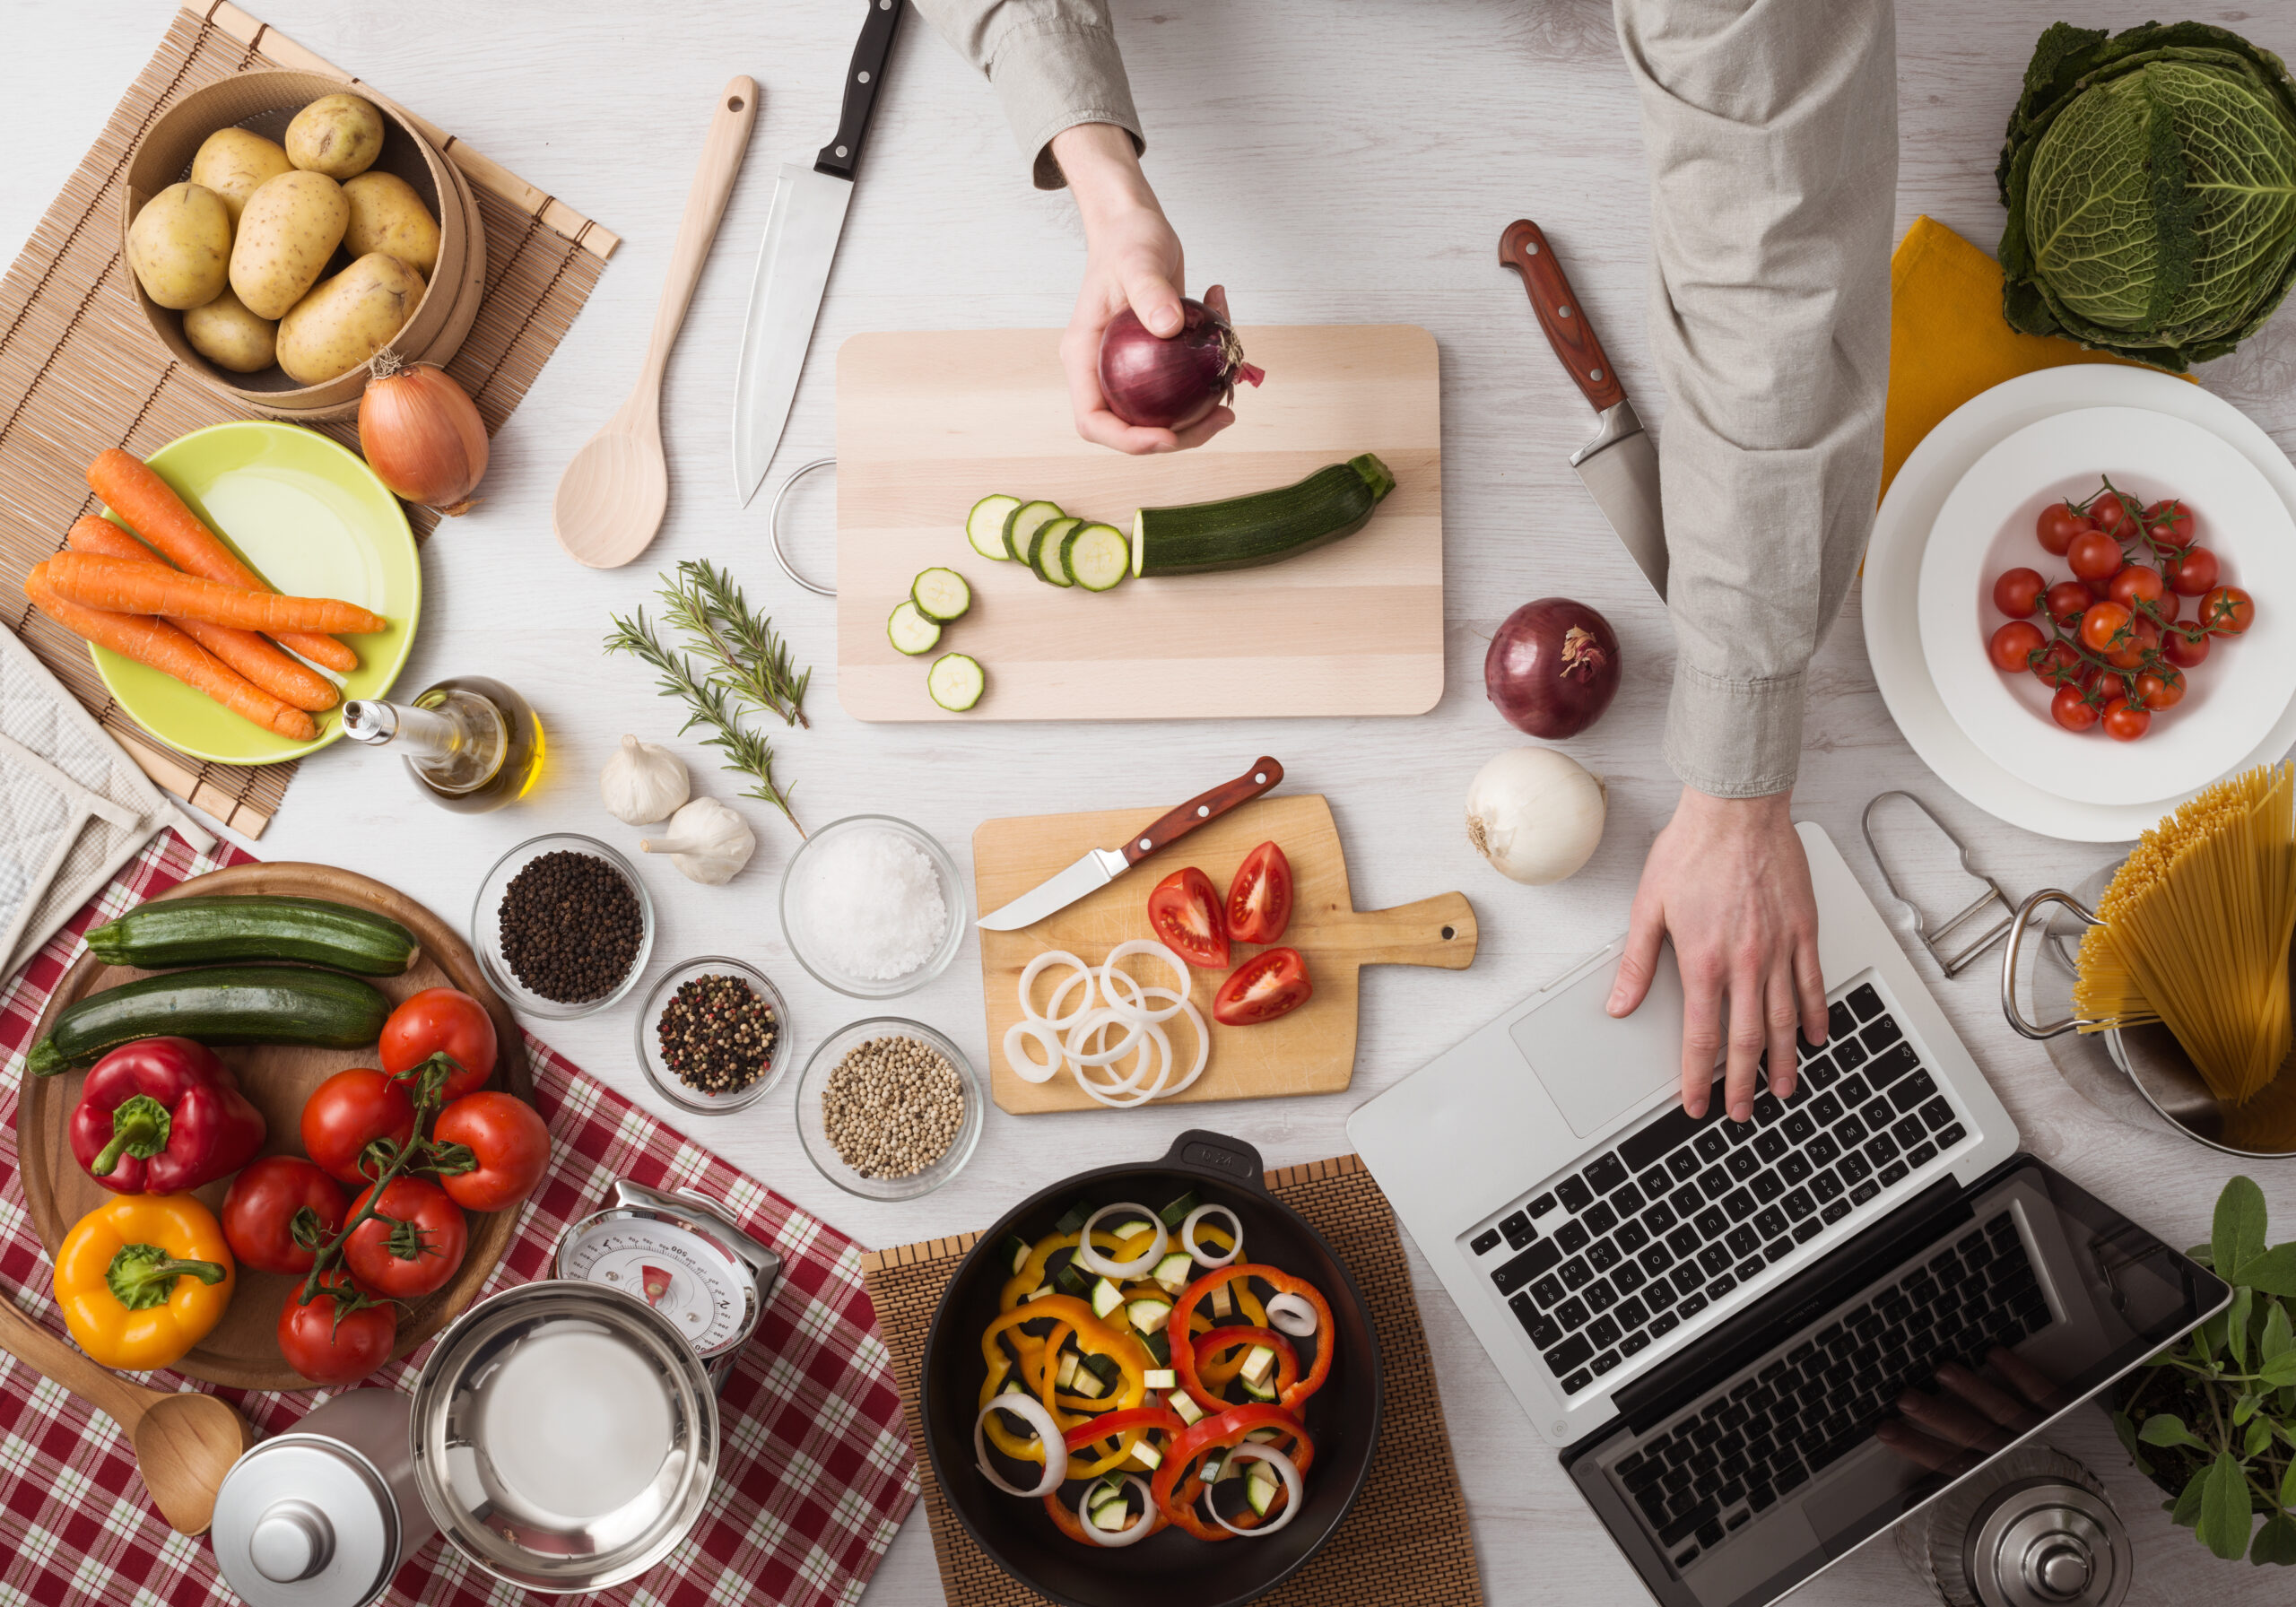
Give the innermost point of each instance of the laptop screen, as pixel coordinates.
(1899, 1365)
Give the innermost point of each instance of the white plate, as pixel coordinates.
(1986, 526)
(1889, 593)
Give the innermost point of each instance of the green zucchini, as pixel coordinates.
(1020, 526)
(1095, 557)
(956, 680)
(1243, 533)
(985, 527)
(211, 930)
(1017, 1251)
(220, 1004)
(939, 595)
(910, 629)
(1044, 549)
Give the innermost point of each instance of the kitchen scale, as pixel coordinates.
(683, 1257)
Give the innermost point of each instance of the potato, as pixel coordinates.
(227, 335)
(339, 135)
(348, 319)
(387, 215)
(179, 245)
(288, 229)
(235, 163)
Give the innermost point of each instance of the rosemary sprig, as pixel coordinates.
(709, 703)
(741, 648)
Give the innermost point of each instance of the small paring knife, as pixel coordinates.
(1100, 866)
(1620, 467)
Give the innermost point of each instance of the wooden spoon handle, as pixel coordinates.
(1439, 932)
(62, 1361)
(705, 205)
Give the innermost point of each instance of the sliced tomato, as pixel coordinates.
(1270, 984)
(1185, 912)
(1259, 898)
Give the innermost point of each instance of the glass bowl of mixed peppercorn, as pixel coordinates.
(713, 1035)
(562, 925)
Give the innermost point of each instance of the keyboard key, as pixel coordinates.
(1544, 1332)
(1825, 1187)
(1849, 1133)
(1599, 1219)
(1709, 1533)
(1738, 1132)
(1799, 1128)
(1796, 1167)
(1630, 1236)
(1572, 1314)
(1547, 1291)
(1485, 1241)
(1806, 1230)
(1692, 1304)
(1745, 1163)
(1714, 1183)
(1604, 1331)
(1881, 1034)
(1684, 1164)
(1632, 1343)
(1849, 1054)
(1892, 1064)
(1770, 1144)
(1685, 1557)
(1881, 1148)
(1574, 1193)
(1666, 1322)
(1854, 1168)
(1893, 1174)
(1655, 1259)
(1716, 1259)
(1907, 1130)
(1575, 1271)
(1577, 1382)
(1711, 1222)
(1798, 1204)
(1627, 1279)
(1572, 1237)
(1660, 1295)
(1825, 1110)
(1685, 1201)
(1569, 1354)
(1518, 1229)
(1518, 1271)
(1863, 1192)
(1770, 1223)
(1604, 1173)
(1822, 1150)
(1840, 1022)
(1689, 1523)
(1658, 1220)
(1745, 1239)
(1768, 1186)
(1687, 1276)
(1865, 1000)
(1766, 1109)
(1748, 1267)
(1632, 1314)
(1820, 1072)
(1876, 1115)
(1936, 1114)
(1542, 1205)
(1739, 1204)
(1684, 1240)
(1710, 1144)
(1627, 1201)
(1835, 1212)
(1603, 1256)
(1599, 1296)
(1951, 1134)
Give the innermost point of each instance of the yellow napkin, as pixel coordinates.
(1948, 340)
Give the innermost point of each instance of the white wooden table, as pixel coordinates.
(1330, 165)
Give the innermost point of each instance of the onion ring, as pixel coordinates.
(1136, 1267)
(1288, 1313)
(1203, 1258)
(1156, 1036)
(1139, 1041)
(1133, 1011)
(1035, 968)
(1035, 1413)
(1203, 1045)
(1285, 1469)
(1083, 1031)
(1132, 1535)
(1026, 1068)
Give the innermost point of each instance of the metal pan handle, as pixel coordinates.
(2025, 912)
(1230, 1157)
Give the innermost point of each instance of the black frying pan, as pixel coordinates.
(1342, 1417)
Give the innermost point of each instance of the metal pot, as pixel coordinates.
(1343, 1417)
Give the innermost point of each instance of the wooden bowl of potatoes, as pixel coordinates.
(281, 228)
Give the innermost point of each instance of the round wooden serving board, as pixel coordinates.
(243, 1351)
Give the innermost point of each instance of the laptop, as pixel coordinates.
(1708, 1319)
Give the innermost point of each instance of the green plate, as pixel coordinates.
(310, 518)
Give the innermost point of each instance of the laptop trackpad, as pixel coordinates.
(1594, 1066)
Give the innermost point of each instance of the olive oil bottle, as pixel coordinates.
(471, 742)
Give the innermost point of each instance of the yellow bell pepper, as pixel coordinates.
(143, 1278)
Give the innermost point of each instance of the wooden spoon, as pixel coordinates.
(183, 1443)
(611, 499)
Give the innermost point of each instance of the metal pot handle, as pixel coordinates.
(1202, 1150)
(2025, 912)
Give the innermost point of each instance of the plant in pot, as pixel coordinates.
(2212, 1419)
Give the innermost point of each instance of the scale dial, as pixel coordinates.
(707, 1293)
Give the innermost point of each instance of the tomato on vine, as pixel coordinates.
(2065, 601)
(2018, 593)
(2072, 709)
(2182, 651)
(2093, 555)
(2015, 644)
(2227, 611)
(2169, 523)
(2190, 572)
(2105, 627)
(2124, 722)
(2160, 688)
(2061, 665)
(2138, 583)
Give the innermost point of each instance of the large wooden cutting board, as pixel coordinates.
(243, 1349)
(929, 422)
(1311, 1051)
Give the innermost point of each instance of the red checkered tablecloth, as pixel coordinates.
(813, 1470)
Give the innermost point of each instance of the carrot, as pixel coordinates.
(166, 649)
(250, 654)
(153, 511)
(119, 586)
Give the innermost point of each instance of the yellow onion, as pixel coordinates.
(421, 435)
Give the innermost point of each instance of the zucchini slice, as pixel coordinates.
(940, 594)
(1243, 533)
(1044, 549)
(1158, 1345)
(1162, 1377)
(1020, 526)
(1175, 1271)
(1260, 1486)
(1065, 1375)
(985, 527)
(910, 631)
(1175, 1214)
(956, 680)
(1106, 1298)
(1096, 556)
(1016, 1251)
(1073, 1220)
(1149, 1315)
(1181, 1402)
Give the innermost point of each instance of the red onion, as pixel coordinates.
(1168, 383)
(1553, 668)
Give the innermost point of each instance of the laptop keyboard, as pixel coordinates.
(1647, 1234)
(1704, 1476)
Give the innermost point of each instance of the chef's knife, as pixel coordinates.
(1100, 866)
(1620, 467)
(801, 235)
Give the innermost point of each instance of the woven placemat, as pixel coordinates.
(80, 371)
(1406, 1540)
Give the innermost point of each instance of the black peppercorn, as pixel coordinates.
(571, 926)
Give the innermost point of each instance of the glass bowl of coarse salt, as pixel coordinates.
(872, 907)
(889, 1109)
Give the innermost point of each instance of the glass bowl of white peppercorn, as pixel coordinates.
(713, 1035)
(889, 1109)
(562, 926)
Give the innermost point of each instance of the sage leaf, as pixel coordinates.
(2238, 1231)
(2185, 1510)
(2167, 1429)
(2225, 1515)
(2280, 1371)
(2236, 1326)
(2277, 1339)
(2276, 1542)
(2259, 1437)
(2272, 1273)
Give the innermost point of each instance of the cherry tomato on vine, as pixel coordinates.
(2061, 665)
(416, 1249)
(2161, 687)
(2067, 601)
(349, 1111)
(2138, 583)
(2104, 627)
(259, 1213)
(2140, 642)
(2169, 523)
(2190, 572)
(440, 1020)
(2227, 610)
(510, 1142)
(2108, 512)
(2072, 709)
(2124, 722)
(2013, 646)
(331, 1350)
(2167, 606)
(2181, 650)
(2059, 523)
(2018, 592)
(2094, 556)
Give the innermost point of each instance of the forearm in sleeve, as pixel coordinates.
(1771, 133)
(1054, 64)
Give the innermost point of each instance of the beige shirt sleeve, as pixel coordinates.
(1770, 128)
(1054, 64)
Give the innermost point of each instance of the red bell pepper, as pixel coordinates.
(1290, 1395)
(1178, 1486)
(162, 1116)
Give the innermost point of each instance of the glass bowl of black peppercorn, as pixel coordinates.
(713, 1035)
(562, 926)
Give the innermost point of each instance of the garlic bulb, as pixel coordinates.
(708, 841)
(1537, 814)
(642, 782)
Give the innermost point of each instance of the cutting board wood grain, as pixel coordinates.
(929, 422)
(1311, 1051)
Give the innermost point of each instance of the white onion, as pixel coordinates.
(1032, 1412)
(1537, 814)
(1098, 1262)
(1137, 1533)
(1288, 1313)
(1205, 1258)
(1125, 950)
(1104, 1093)
(1098, 1024)
(1285, 1469)
(1203, 1049)
(1083, 1031)
(1051, 1014)
(1025, 1067)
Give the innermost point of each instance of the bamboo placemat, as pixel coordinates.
(1406, 1539)
(80, 370)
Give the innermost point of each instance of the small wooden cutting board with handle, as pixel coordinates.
(1311, 1051)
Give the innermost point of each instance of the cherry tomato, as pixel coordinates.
(2124, 722)
(2015, 646)
(2138, 583)
(265, 1202)
(2059, 523)
(2161, 687)
(505, 1138)
(2184, 651)
(2167, 606)
(2108, 512)
(1184, 912)
(2227, 610)
(2100, 590)
(440, 1021)
(335, 1344)
(2061, 665)
(2066, 600)
(414, 1247)
(349, 1111)
(2094, 556)
(1260, 898)
(2018, 592)
(2169, 523)
(2190, 572)
(2139, 642)
(1271, 983)
(2072, 709)
(2103, 627)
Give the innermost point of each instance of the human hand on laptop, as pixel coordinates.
(1728, 882)
(1969, 1412)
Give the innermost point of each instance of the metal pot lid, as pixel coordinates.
(2044, 1543)
(682, 1257)
(305, 1521)
(565, 1436)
